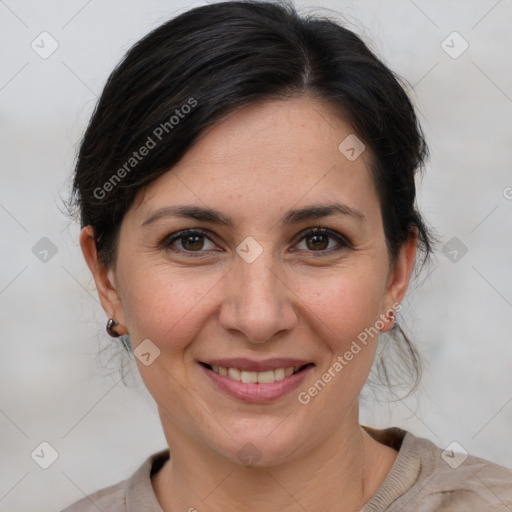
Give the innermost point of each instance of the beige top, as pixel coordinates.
(421, 480)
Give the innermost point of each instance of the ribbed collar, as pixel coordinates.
(404, 472)
(140, 495)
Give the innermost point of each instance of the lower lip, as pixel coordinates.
(257, 393)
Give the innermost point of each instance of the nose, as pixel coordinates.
(258, 304)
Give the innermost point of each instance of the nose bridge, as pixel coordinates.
(257, 302)
(261, 280)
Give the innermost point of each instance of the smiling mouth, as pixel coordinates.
(248, 377)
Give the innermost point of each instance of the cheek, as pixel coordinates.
(341, 315)
(164, 304)
(343, 303)
(343, 309)
(168, 307)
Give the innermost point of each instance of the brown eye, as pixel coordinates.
(323, 240)
(192, 242)
(189, 241)
(317, 241)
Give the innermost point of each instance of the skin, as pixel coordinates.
(294, 300)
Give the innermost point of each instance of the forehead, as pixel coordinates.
(266, 158)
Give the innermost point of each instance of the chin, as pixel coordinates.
(264, 446)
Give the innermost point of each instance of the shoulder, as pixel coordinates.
(127, 495)
(449, 479)
(112, 498)
(428, 478)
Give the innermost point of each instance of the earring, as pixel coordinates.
(392, 316)
(110, 328)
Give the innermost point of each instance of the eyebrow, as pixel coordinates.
(295, 216)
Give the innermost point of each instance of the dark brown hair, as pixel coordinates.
(212, 60)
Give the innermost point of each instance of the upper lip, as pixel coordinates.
(250, 365)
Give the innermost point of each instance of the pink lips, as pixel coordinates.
(257, 392)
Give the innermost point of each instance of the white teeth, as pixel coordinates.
(279, 374)
(267, 377)
(234, 374)
(249, 377)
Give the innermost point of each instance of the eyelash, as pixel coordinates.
(170, 239)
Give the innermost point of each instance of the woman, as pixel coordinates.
(247, 196)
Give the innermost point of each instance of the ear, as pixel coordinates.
(399, 276)
(104, 278)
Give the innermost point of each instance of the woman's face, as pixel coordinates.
(256, 290)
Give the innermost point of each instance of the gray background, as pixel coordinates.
(58, 370)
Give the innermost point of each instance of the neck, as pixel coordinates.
(340, 474)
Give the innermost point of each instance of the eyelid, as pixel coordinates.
(167, 240)
(341, 239)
